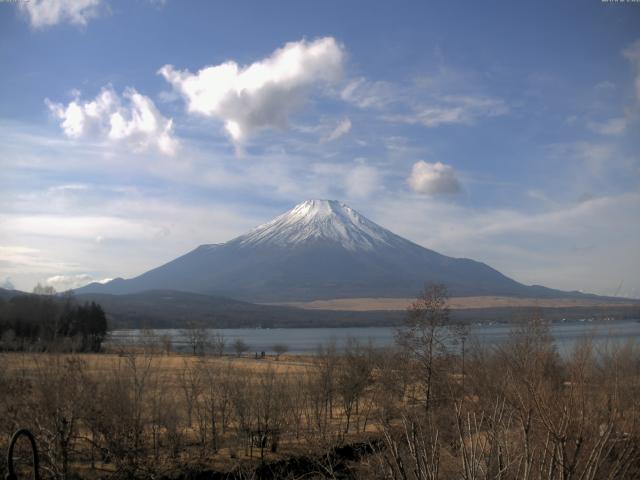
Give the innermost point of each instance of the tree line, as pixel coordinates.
(46, 321)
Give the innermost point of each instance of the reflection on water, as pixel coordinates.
(306, 340)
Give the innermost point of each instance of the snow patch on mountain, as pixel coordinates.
(325, 220)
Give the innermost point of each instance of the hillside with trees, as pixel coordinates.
(44, 321)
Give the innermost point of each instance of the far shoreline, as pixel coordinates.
(372, 304)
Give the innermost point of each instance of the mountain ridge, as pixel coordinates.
(320, 249)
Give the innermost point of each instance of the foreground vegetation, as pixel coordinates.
(436, 407)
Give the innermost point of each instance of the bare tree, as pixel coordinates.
(240, 347)
(424, 334)
(392, 380)
(269, 409)
(167, 344)
(218, 343)
(240, 389)
(353, 377)
(119, 413)
(190, 383)
(321, 387)
(59, 395)
(149, 341)
(214, 399)
(197, 338)
(40, 289)
(280, 349)
(412, 452)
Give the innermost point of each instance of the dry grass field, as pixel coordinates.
(171, 365)
(172, 411)
(456, 303)
(515, 412)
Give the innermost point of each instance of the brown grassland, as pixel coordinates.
(457, 303)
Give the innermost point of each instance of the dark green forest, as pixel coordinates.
(51, 322)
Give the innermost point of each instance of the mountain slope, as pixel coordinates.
(8, 294)
(173, 309)
(320, 249)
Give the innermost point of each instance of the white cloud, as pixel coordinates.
(67, 282)
(343, 127)
(132, 119)
(593, 160)
(613, 126)
(16, 259)
(260, 95)
(44, 13)
(453, 109)
(7, 284)
(70, 187)
(362, 180)
(632, 53)
(355, 180)
(433, 178)
(83, 227)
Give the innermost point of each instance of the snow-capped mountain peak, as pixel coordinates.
(320, 249)
(325, 220)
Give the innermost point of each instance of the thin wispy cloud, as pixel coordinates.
(46, 13)
(632, 53)
(369, 94)
(453, 110)
(446, 98)
(343, 127)
(612, 126)
(20, 260)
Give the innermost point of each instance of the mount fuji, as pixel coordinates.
(321, 249)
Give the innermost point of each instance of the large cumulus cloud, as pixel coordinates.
(260, 95)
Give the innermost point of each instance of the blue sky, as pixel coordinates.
(507, 132)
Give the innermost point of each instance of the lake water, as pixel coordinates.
(307, 340)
